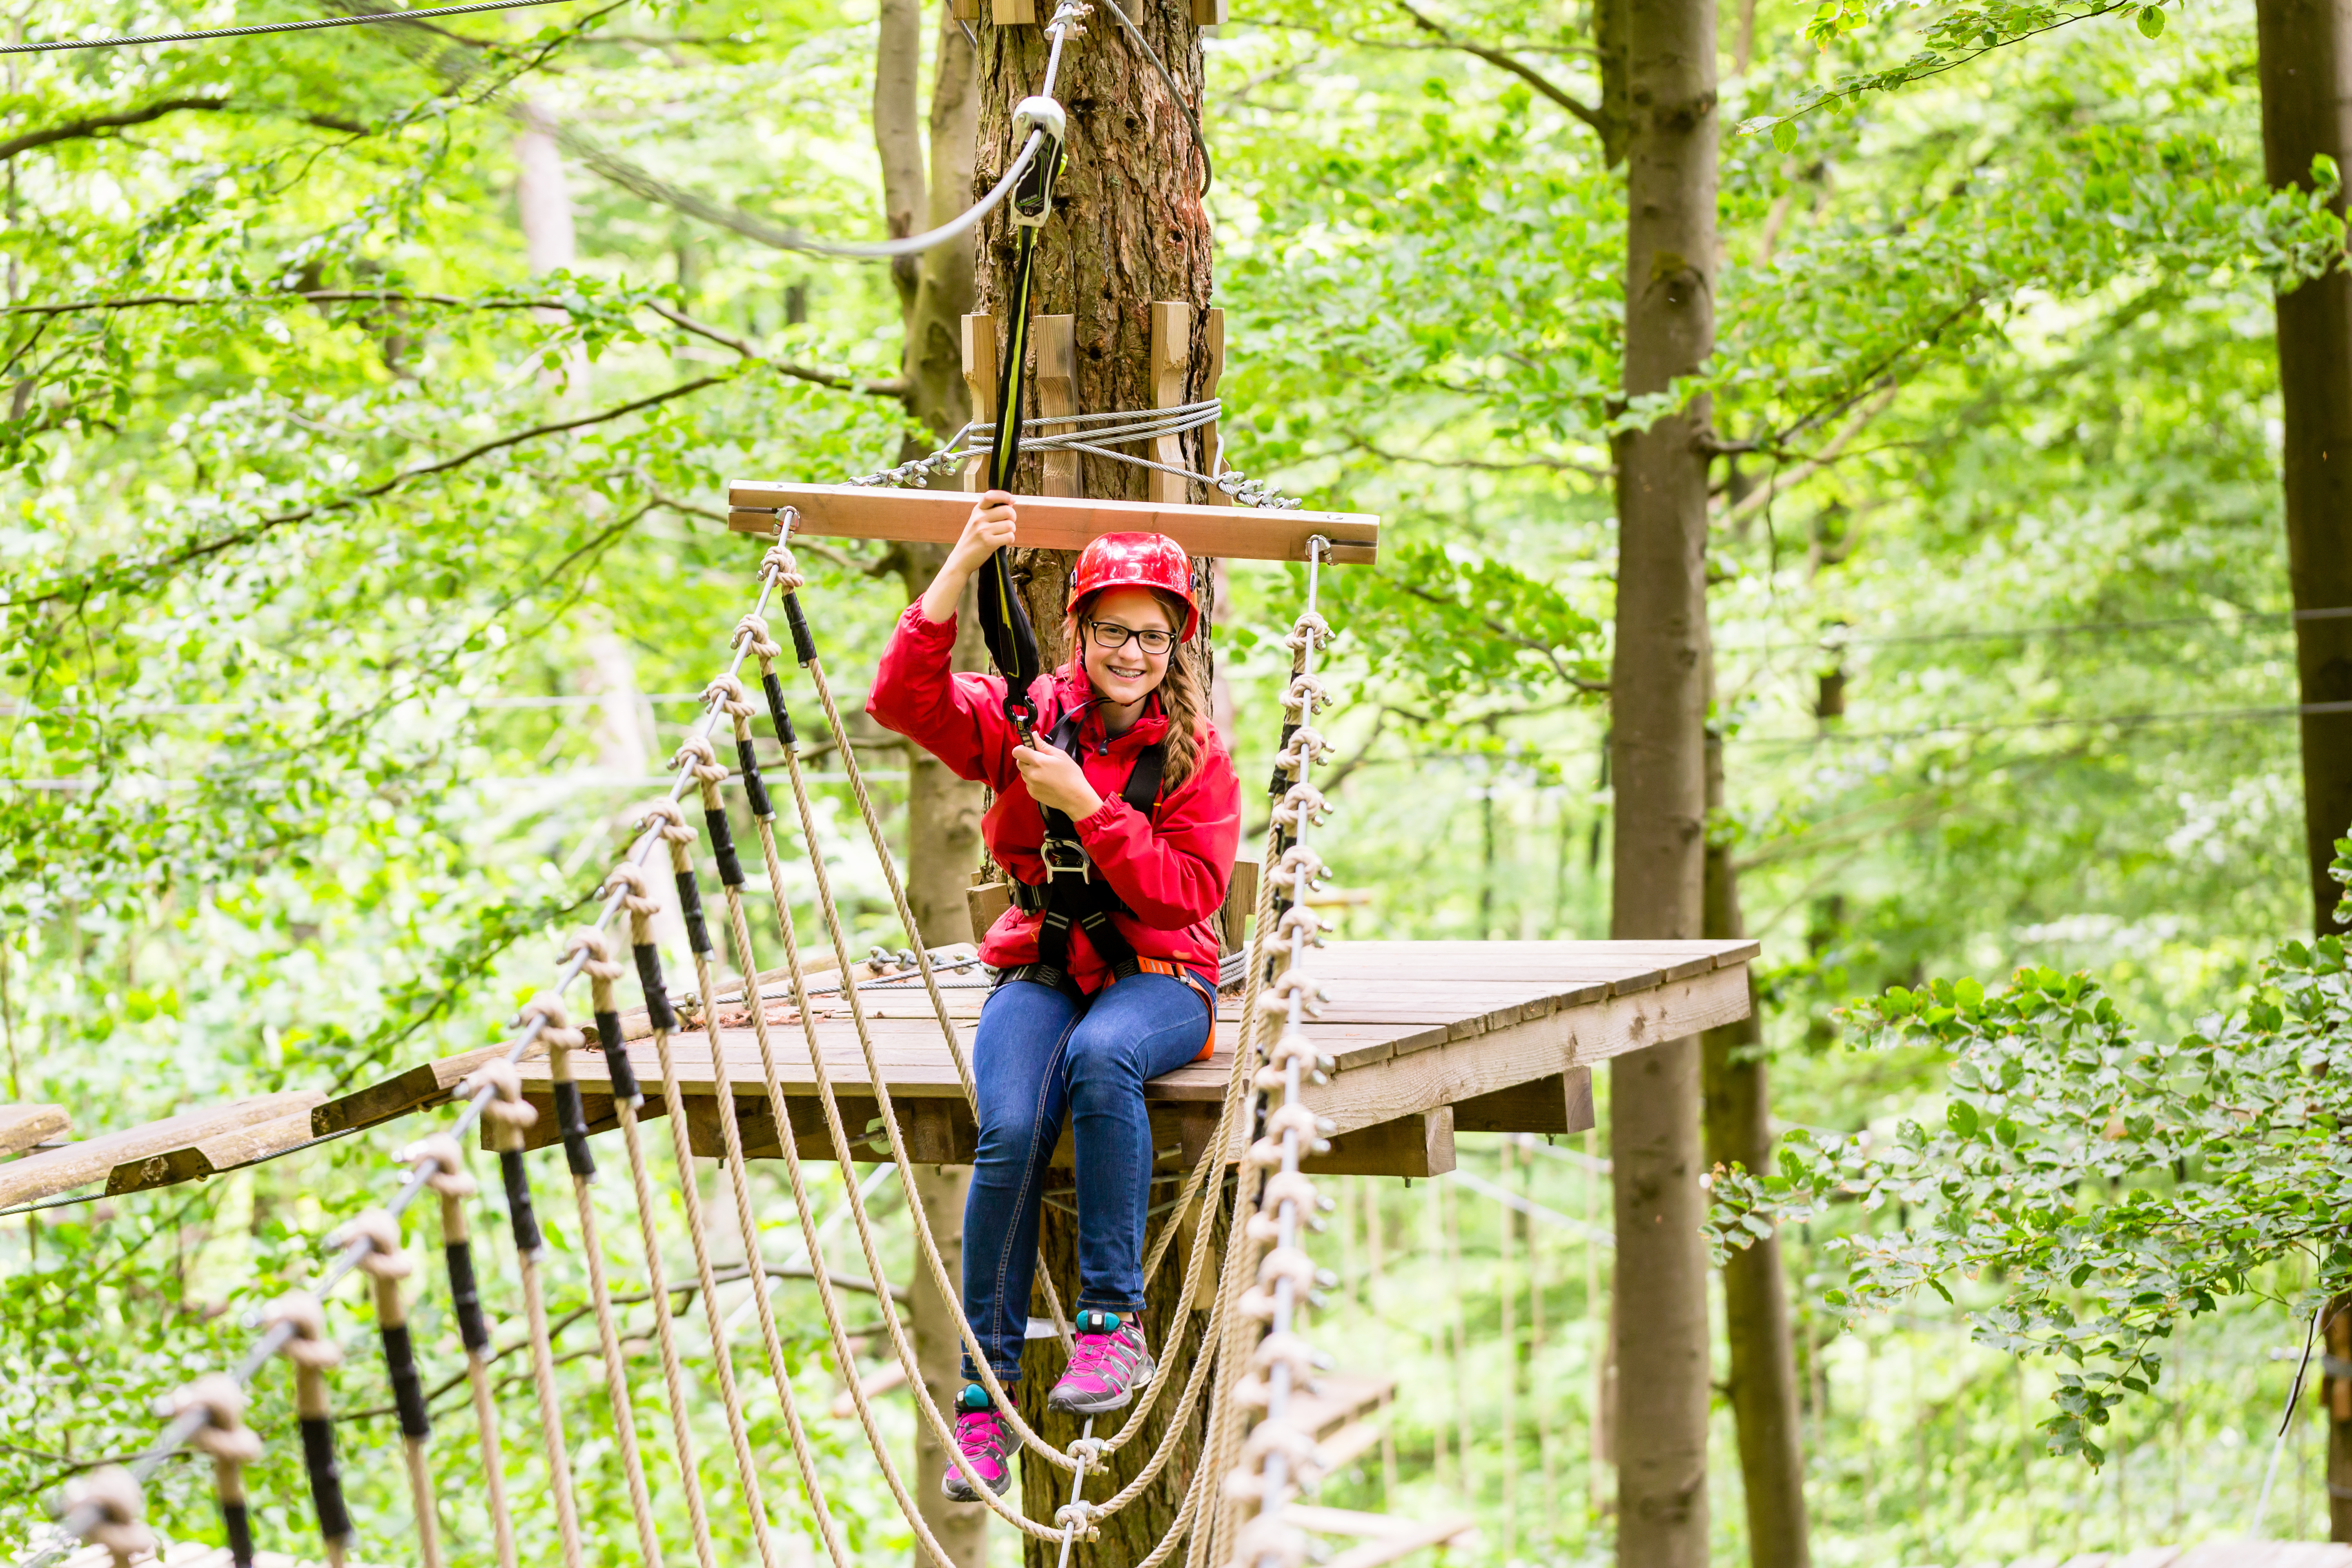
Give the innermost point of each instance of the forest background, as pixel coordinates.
(359, 538)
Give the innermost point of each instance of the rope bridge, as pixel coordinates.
(1256, 1459)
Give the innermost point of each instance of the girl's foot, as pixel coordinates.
(1109, 1365)
(985, 1439)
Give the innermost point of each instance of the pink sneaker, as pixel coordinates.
(985, 1439)
(1109, 1365)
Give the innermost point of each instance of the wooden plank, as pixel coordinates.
(1171, 366)
(1241, 902)
(978, 373)
(22, 1126)
(1057, 393)
(1208, 13)
(429, 1083)
(1051, 522)
(1576, 1036)
(58, 1170)
(1420, 1144)
(1013, 13)
(1339, 1397)
(223, 1151)
(1212, 340)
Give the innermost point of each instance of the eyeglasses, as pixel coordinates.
(1110, 634)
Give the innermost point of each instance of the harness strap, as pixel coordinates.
(1072, 895)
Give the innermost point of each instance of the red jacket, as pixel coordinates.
(1170, 869)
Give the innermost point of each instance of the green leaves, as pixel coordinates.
(2129, 1181)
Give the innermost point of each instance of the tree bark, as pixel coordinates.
(1128, 229)
(1755, 1288)
(1658, 710)
(2306, 82)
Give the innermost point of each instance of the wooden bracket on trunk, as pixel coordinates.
(1062, 519)
(1171, 366)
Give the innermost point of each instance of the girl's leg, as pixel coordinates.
(1136, 1029)
(1016, 1067)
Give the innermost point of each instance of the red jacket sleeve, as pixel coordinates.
(1175, 874)
(958, 718)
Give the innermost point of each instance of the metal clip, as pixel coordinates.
(1033, 200)
(1077, 862)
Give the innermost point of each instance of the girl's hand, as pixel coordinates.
(1055, 779)
(989, 529)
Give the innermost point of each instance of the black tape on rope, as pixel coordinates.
(326, 1482)
(658, 1012)
(617, 1066)
(778, 714)
(755, 787)
(804, 644)
(519, 1213)
(237, 1525)
(465, 1298)
(722, 847)
(407, 1388)
(689, 904)
(571, 1115)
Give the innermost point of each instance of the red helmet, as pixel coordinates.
(1137, 561)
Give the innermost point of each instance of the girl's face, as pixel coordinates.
(1129, 673)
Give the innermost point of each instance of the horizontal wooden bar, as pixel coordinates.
(1052, 523)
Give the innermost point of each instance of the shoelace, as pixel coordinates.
(1093, 1350)
(979, 1433)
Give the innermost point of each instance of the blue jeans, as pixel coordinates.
(1037, 1055)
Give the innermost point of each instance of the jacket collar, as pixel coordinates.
(1075, 696)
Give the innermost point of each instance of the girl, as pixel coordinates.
(1117, 828)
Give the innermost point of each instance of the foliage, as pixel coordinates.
(2113, 1184)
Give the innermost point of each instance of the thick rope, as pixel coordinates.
(601, 972)
(703, 763)
(722, 1363)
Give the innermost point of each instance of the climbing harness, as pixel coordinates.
(1072, 897)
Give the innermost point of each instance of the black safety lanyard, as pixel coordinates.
(1005, 623)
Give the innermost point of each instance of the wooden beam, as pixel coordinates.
(1013, 13)
(1171, 366)
(1057, 393)
(212, 1156)
(1420, 1144)
(1557, 1102)
(22, 1126)
(1212, 372)
(1208, 13)
(1051, 522)
(978, 377)
(59, 1171)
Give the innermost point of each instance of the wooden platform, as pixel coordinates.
(1430, 1037)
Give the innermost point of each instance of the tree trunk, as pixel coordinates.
(1128, 229)
(1755, 1290)
(1658, 710)
(2306, 82)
